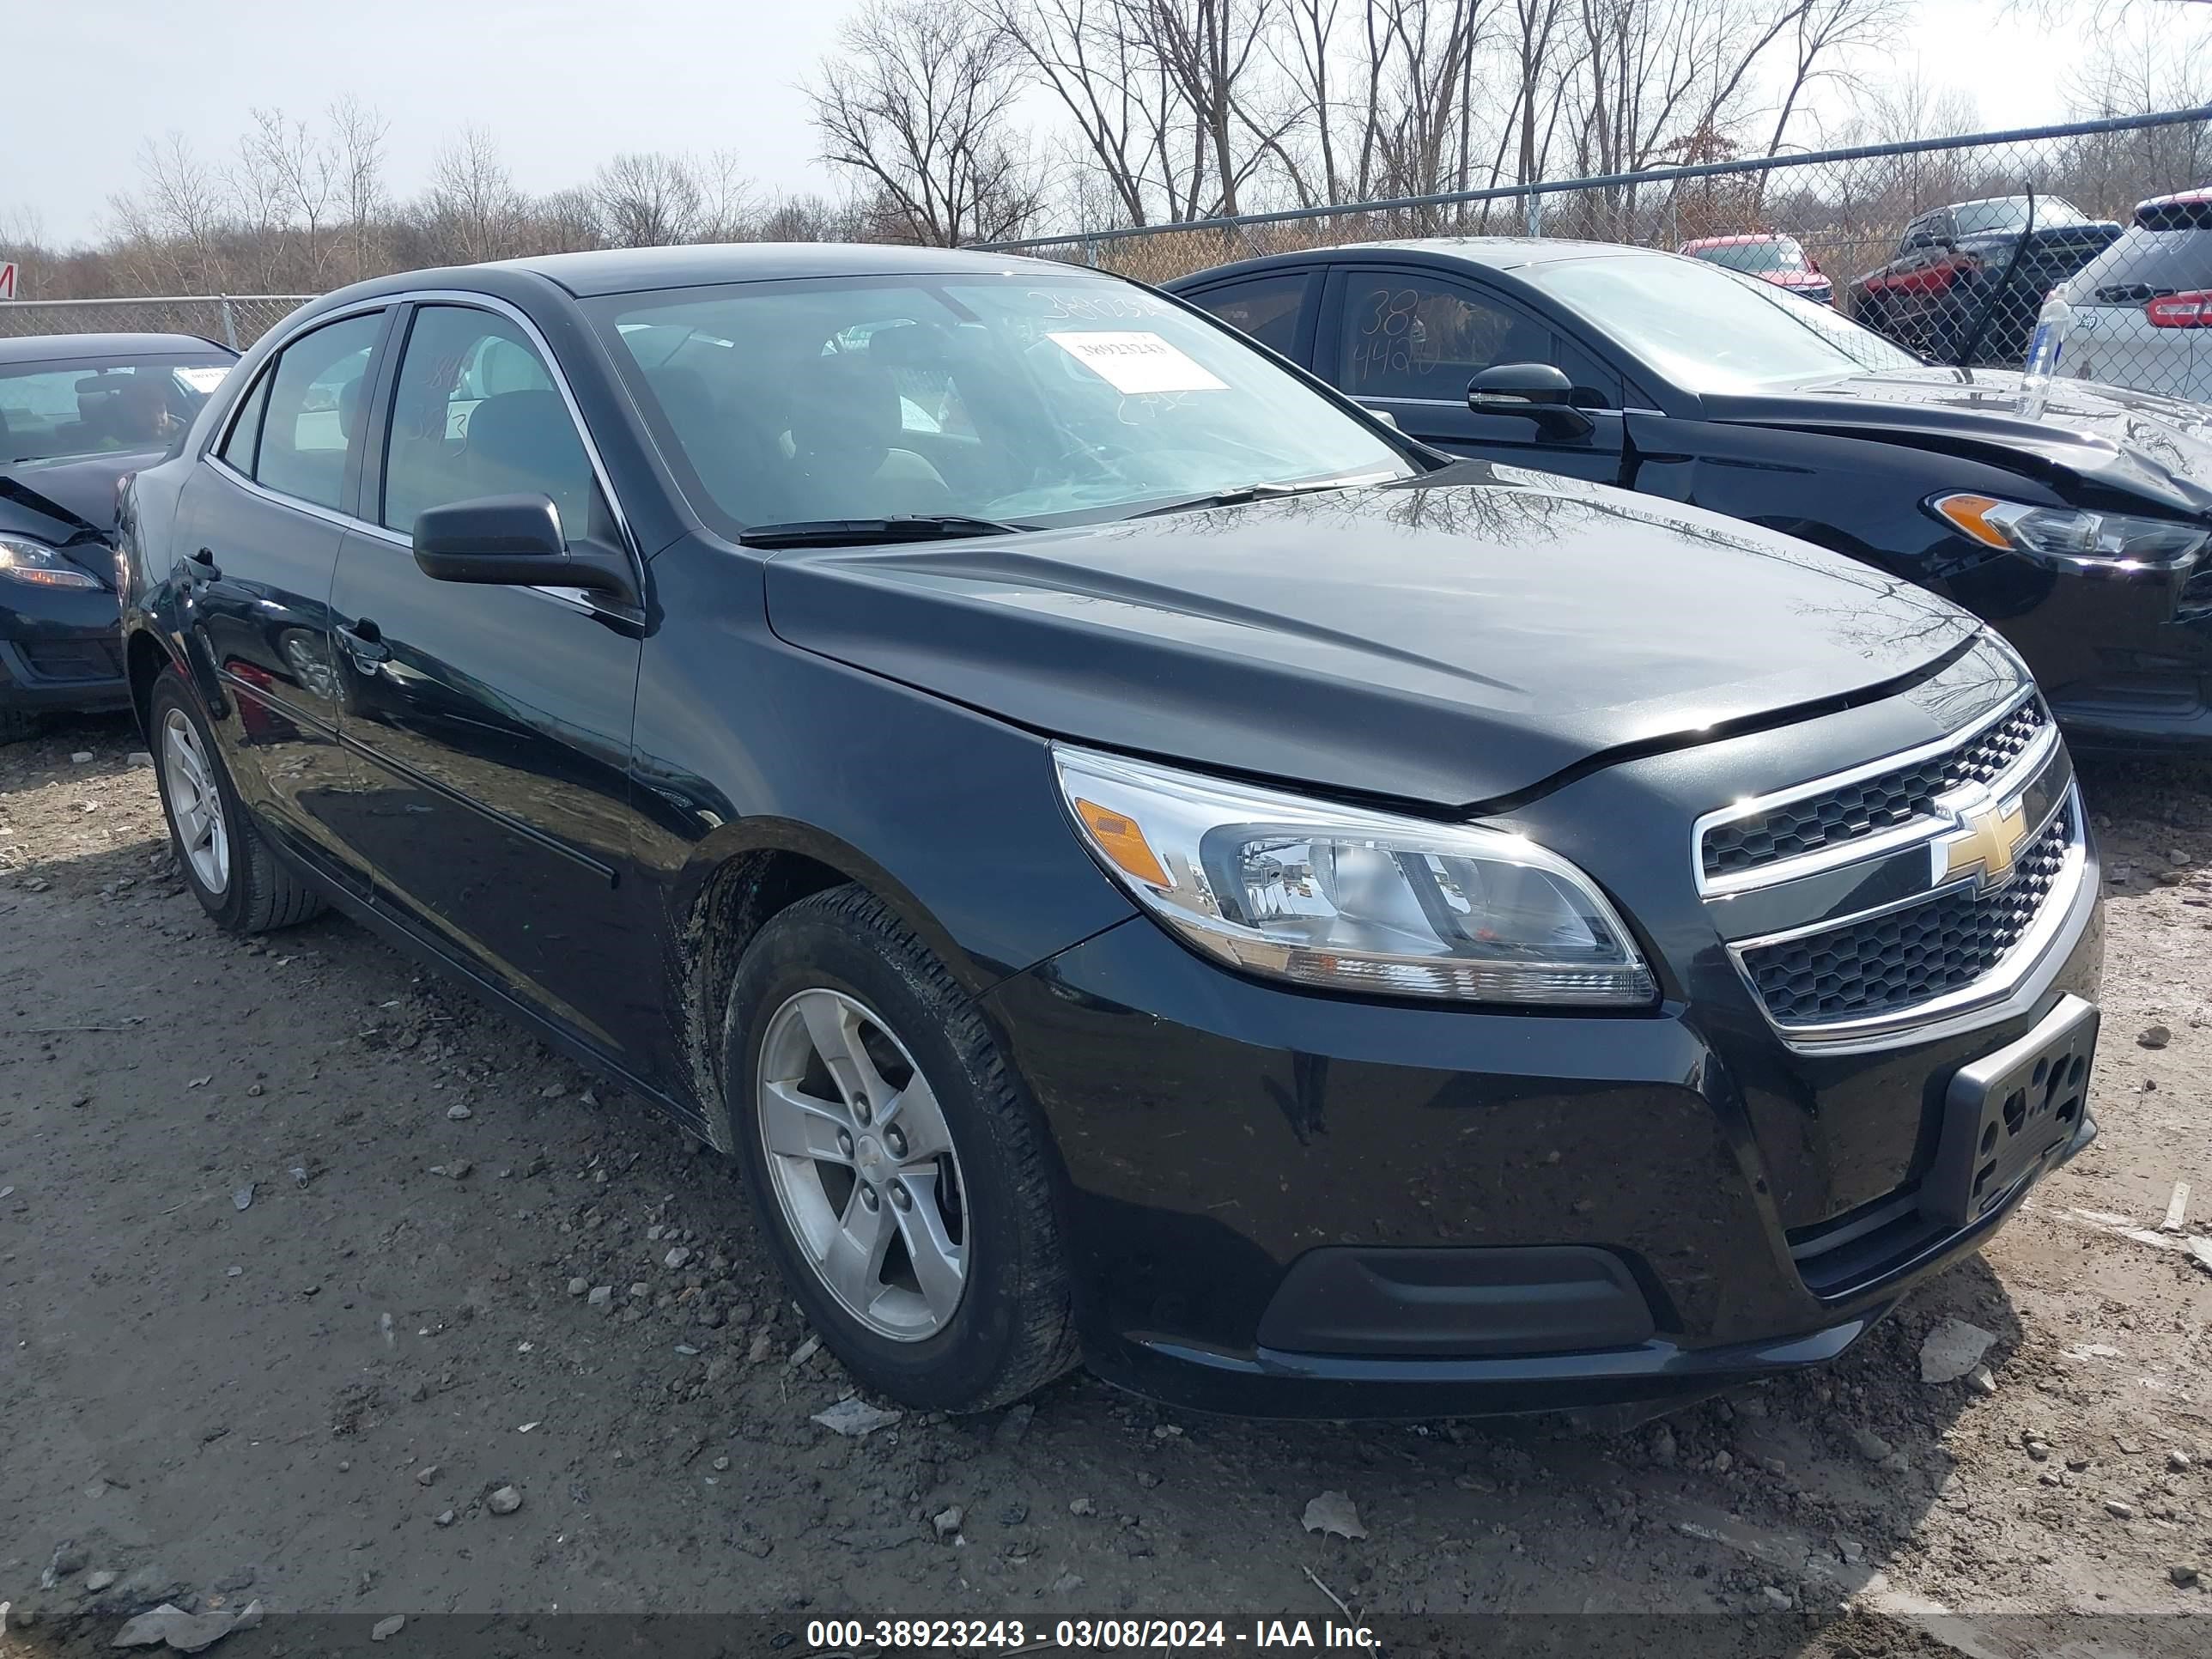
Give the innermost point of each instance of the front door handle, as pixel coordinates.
(364, 643)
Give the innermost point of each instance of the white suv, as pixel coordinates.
(2142, 308)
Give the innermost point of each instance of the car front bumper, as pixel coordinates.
(60, 649)
(1463, 1212)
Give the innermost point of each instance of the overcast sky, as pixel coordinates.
(562, 83)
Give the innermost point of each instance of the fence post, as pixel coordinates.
(1536, 218)
(1091, 252)
(229, 325)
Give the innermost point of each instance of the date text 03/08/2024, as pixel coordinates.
(828, 1638)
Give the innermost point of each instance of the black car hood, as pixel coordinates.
(1456, 641)
(79, 492)
(2100, 437)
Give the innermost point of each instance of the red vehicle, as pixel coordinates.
(1772, 258)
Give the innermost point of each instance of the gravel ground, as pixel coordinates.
(301, 1264)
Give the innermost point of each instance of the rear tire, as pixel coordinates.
(240, 882)
(903, 1182)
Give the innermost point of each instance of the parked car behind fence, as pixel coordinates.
(2141, 310)
(1967, 280)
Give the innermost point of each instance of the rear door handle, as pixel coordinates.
(364, 643)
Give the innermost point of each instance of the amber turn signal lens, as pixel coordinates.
(1965, 513)
(1120, 839)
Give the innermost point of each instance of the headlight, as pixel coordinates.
(25, 561)
(1351, 899)
(2073, 537)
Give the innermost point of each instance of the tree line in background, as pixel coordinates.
(953, 121)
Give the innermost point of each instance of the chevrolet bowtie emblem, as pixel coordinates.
(1990, 835)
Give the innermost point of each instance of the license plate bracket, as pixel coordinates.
(2007, 1112)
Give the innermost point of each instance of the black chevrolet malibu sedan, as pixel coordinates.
(2078, 526)
(1134, 860)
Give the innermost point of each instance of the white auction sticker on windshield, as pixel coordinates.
(1137, 363)
(203, 380)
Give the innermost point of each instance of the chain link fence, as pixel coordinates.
(1949, 246)
(236, 320)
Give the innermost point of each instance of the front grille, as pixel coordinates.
(1882, 964)
(1852, 811)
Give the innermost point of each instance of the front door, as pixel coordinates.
(492, 723)
(1407, 342)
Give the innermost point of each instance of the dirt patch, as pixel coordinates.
(304, 1257)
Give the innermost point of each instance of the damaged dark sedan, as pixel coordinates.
(78, 412)
(1135, 860)
(2076, 520)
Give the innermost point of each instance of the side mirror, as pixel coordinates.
(1387, 418)
(515, 541)
(1538, 390)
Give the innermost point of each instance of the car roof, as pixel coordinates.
(626, 270)
(1491, 252)
(2203, 193)
(59, 348)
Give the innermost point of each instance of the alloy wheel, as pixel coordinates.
(863, 1165)
(195, 803)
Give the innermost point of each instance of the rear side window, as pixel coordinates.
(1265, 308)
(2145, 263)
(2184, 213)
(245, 437)
(311, 412)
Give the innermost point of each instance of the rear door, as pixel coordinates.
(260, 527)
(1406, 341)
(493, 722)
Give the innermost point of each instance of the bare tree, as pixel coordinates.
(170, 228)
(564, 222)
(726, 207)
(1206, 49)
(472, 209)
(359, 133)
(1122, 104)
(1823, 37)
(918, 111)
(647, 199)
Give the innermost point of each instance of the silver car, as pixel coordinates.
(2142, 308)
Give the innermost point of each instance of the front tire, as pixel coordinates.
(903, 1182)
(238, 881)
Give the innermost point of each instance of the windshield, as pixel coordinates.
(1710, 330)
(2190, 212)
(2010, 213)
(1009, 399)
(1777, 253)
(68, 407)
(2143, 264)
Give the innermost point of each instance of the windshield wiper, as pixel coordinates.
(860, 532)
(1238, 495)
